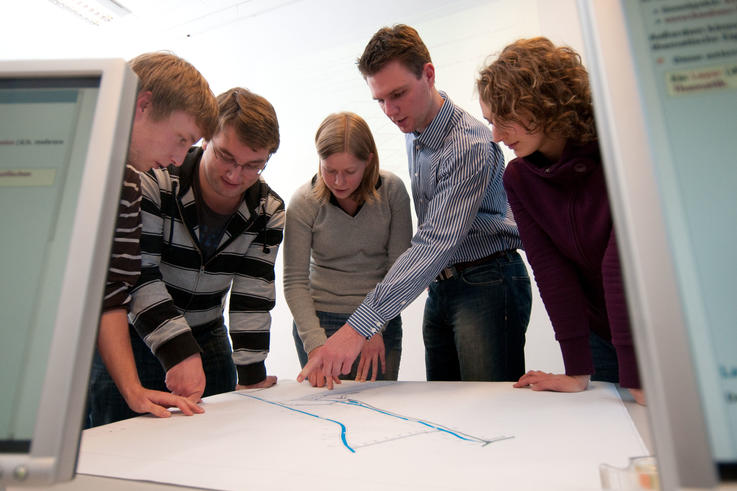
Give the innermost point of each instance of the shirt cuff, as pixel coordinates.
(366, 321)
(177, 349)
(251, 374)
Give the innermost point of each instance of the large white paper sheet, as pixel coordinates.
(396, 435)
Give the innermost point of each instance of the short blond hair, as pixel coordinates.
(176, 85)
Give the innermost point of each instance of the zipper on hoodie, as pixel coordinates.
(194, 242)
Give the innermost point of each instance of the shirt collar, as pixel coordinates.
(433, 135)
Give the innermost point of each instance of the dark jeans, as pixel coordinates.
(475, 323)
(392, 335)
(106, 404)
(606, 367)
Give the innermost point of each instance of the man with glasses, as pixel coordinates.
(210, 226)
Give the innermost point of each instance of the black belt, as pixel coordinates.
(455, 270)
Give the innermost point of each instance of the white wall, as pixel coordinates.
(301, 57)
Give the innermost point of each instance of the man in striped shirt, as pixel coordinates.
(174, 109)
(211, 233)
(464, 249)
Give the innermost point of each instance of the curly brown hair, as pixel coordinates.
(533, 78)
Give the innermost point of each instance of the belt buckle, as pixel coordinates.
(446, 274)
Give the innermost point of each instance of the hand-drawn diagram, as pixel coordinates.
(393, 426)
(366, 436)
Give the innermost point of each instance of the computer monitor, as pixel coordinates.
(664, 82)
(64, 134)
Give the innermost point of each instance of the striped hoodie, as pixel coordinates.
(179, 293)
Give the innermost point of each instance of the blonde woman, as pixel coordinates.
(344, 229)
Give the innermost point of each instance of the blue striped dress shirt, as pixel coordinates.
(462, 211)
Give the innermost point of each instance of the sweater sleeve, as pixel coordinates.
(558, 283)
(400, 229)
(301, 215)
(616, 306)
(153, 313)
(125, 258)
(253, 295)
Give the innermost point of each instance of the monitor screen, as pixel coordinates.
(64, 134)
(45, 134)
(664, 79)
(688, 67)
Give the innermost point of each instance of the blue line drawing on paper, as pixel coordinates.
(341, 425)
(328, 398)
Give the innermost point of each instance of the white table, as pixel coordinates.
(289, 436)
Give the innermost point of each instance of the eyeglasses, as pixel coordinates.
(230, 162)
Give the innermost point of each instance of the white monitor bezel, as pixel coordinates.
(666, 365)
(56, 435)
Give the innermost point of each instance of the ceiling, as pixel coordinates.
(41, 28)
(187, 17)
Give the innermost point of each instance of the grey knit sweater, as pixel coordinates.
(332, 260)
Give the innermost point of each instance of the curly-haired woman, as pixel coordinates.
(537, 98)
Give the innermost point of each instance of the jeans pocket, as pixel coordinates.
(483, 275)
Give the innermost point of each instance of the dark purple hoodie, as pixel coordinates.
(562, 211)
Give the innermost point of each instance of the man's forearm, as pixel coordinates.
(113, 342)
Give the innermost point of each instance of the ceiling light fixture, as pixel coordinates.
(97, 12)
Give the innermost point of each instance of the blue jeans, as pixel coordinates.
(106, 404)
(474, 324)
(392, 335)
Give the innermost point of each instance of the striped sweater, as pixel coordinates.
(125, 259)
(179, 293)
